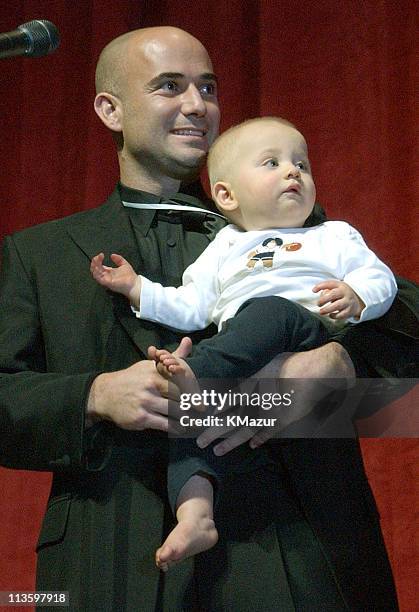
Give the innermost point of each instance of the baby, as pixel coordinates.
(270, 284)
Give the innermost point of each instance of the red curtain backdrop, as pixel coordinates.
(344, 72)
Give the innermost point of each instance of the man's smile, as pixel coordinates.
(194, 132)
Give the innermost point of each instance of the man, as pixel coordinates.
(78, 397)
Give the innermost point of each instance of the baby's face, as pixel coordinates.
(272, 180)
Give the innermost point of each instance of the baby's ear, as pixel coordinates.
(224, 196)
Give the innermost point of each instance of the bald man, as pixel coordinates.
(80, 399)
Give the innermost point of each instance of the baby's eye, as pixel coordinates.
(271, 163)
(301, 165)
(208, 89)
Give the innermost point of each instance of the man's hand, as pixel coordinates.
(338, 300)
(135, 398)
(233, 437)
(306, 393)
(121, 279)
(329, 364)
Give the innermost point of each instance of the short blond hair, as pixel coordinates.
(225, 149)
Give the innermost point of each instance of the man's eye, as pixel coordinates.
(208, 89)
(169, 86)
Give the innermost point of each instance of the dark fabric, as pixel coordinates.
(104, 523)
(256, 521)
(102, 526)
(373, 346)
(261, 329)
(249, 514)
(186, 459)
(386, 349)
(327, 480)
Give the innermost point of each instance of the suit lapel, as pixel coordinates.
(110, 232)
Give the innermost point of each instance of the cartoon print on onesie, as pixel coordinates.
(264, 254)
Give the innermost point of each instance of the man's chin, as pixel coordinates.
(189, 167)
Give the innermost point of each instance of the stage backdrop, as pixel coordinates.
(343, 72)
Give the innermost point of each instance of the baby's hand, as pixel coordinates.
(338, 300)
(121, 279)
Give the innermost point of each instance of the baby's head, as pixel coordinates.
(260, 175)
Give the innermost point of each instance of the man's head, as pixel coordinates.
(157, 92)
(260, 174)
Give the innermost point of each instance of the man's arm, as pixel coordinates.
(42, 413)
(385, 347)
(329, 363)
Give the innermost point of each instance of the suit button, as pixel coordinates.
(171, 242)
(60, 462)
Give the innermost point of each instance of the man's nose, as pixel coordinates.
(192, 102)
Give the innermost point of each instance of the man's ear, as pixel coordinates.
(108, 109)
(224, 196)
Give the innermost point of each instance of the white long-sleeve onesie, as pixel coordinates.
(236, 266)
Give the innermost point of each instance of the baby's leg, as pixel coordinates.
(195, 531)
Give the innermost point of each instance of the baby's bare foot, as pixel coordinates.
(176, 358)
(176, 370)
(188, 538)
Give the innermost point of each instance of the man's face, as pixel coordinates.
(272, 180)
(170, 113)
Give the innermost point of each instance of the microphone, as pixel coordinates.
(32, 39)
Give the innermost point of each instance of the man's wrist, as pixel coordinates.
(93, 414)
